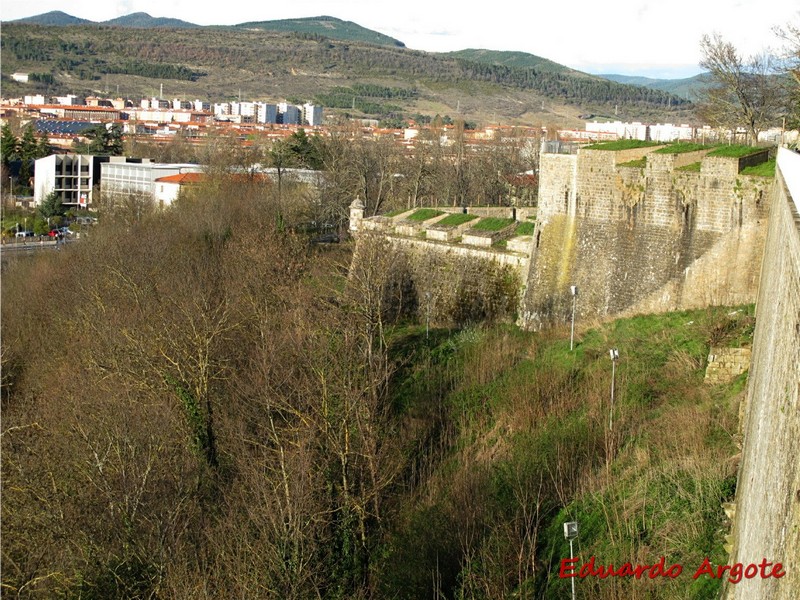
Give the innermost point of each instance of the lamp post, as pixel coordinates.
(614, 354)
(427, 314)
(570, 533)
(574, 291)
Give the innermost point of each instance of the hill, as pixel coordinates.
(329, 27)
(143, 20)
(55, 18)
(361, 79)
(518, 60)
(685, 88)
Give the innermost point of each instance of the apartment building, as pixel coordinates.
(312, 114)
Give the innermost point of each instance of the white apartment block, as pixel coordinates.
(312, 115)
(68, 100)
(244, 109)
(37, 99)
(266, 113)
(639, 131)
(288, 114)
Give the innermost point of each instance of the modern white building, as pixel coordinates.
(288, 114)
(73, 176)
(69, 100)
(266, 113)
(666, 132)
(312, 114)
(120, 180)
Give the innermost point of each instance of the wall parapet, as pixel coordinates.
(767, 521)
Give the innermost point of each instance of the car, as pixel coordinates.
(24, 234)
(64, 231)
(54, 233)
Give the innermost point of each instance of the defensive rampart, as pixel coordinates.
(456, 271)
(643, 239)
(767, 521)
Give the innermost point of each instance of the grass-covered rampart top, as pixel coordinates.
(525, 228)
(423, 214)
(396, 212)
(622, 145)
(681, 148)
(765, 169)
(492, 224)
(735, 151)
(639, 163)
(456, 219)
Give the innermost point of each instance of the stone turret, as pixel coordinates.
(356, 214)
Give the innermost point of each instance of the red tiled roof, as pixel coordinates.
(182, 178)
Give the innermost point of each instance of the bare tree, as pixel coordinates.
(790, 34)
(744, 92)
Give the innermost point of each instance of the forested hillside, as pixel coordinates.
(219, 63)
(199, 404)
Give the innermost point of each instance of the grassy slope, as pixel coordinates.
(525, 425)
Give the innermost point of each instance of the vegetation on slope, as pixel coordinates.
(300, 66)
(327, 27)
(239, 415)
(519, 60)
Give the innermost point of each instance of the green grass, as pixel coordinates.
(525, 229)
(765, 169)
(691, 168)
(456, 219)
(423, 214)
(530, 421)
(734, 151)
(639, 163)
(394, 213)
(682, 147)
(492, 224)
(622, 145)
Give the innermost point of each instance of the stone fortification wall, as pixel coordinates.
(450, 284)
(642, 239)
(767, 521)
(444, 275)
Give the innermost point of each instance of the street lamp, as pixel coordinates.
(427, 313)
(614, 354)
(570, 533)
(574, 291)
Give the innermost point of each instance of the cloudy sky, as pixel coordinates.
(658, 38)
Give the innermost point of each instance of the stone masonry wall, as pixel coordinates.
(642, 240)
(724, 364)
(767, 521)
